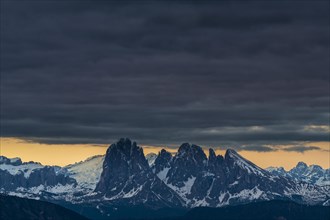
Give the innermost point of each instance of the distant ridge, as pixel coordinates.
(314, 174)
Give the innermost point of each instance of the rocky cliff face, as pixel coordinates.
(127, 178)
(162, 163)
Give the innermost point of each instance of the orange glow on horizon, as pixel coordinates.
(55, 154)
(64, 154)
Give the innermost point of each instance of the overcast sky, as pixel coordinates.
(248, 74)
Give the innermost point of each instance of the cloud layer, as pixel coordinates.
(227, 73)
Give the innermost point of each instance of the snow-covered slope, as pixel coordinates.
(313, 174)
(87, 173)
(26, 169)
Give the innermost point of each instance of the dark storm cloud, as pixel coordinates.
(213, 73)
(272, 148)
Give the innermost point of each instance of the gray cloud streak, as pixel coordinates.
(301, 149)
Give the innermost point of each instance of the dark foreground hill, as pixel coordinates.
(272, 210)
(19, 208)
(12, 208)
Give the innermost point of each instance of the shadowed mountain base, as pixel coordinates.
(12, 207)
(272, 210)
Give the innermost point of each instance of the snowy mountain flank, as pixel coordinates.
(16, 175)
(124, 176)
(87, 173)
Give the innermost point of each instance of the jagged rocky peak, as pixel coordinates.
(212, 155)
(126, 146)
(188, 163)
(164, 155)
(191, 152)
(230, 153)
(125, 153)
(162, 161)
(122, 160)
(151, 157)
(301, 165)
(12, 161)
(236, 161)
(232, 156)
(214, 161)
(281, 169)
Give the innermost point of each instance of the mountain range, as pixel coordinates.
(124, 178)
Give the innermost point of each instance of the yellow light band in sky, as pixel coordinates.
(66, 154)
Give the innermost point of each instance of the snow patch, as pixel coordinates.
(133, 192)
(185, 189)
(162, 174)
